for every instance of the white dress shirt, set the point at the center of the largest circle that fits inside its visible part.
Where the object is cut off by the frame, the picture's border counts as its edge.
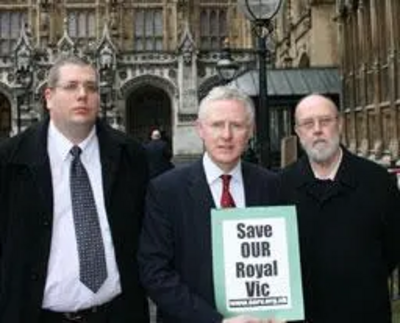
(236, 187)
(63, 291)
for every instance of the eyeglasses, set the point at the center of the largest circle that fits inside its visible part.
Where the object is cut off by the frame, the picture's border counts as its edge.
(89, 87)
(323, 122)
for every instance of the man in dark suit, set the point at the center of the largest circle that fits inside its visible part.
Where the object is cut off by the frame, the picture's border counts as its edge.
(68, 168)
(158, 154)
(175, 255)
(349, 221)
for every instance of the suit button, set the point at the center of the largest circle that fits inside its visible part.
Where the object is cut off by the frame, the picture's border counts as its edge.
(46, 223)
(34, 276)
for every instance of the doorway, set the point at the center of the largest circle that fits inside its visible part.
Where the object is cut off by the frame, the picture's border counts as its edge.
(148, 108)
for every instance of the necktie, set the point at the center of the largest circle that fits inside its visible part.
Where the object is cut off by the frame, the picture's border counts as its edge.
(92, 262)
(226, 197)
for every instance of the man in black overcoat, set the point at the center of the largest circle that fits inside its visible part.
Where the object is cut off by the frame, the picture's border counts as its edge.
(349, 221)
(158, 154)
(41, 263)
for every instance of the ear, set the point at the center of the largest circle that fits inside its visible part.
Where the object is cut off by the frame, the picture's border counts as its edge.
(296, 131)
(199, 128)
(47, 95)
(340, 123)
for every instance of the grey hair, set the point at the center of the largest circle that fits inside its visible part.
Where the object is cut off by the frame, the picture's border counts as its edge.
(226, 93)
(54, 72)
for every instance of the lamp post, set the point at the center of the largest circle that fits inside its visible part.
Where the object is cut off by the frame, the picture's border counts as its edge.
(24, 79)
(260, 13)
(106, 81)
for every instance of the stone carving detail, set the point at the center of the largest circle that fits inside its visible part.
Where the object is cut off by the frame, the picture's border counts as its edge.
(187, 117)
(187, 45)
(23, 51)
(66, 45)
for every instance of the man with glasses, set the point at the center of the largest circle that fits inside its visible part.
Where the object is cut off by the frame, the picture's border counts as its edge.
(349, 221)
(71, 197)
(175, 253)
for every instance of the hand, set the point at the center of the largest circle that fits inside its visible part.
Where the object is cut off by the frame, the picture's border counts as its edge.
(244, 319)
(249, 319)
(273, 321)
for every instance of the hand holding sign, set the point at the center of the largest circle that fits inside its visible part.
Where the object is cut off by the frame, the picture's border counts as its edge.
(256, 264)
(249, 319)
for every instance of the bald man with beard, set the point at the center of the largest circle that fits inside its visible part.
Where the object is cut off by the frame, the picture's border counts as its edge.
(349, 221)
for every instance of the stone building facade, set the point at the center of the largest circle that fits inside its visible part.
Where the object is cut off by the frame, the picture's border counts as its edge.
(369, 35)
(306, 34)
(362, 38)
(155, 58)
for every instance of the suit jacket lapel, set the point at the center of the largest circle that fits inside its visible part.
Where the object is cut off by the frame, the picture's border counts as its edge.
(199, 207)
(200, 191)
(200, 204)
(251, 190)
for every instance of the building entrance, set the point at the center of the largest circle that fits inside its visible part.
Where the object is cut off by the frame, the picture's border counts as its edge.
(148, 108)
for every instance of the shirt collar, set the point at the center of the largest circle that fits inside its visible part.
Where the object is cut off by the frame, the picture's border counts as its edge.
(213, 172)
(64, 145)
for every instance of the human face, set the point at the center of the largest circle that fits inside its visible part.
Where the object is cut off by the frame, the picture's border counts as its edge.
(74, 101)
(225, 130)
(318, 127)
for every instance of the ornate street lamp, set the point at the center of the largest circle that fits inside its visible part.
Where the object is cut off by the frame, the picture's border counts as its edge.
(106, 69)
(260, 13)
(226, 67)
(24, 79)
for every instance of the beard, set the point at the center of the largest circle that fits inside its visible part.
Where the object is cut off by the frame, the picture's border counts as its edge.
(322, 150)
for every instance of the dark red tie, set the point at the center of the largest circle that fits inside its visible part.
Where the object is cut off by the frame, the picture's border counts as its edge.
(226, 197)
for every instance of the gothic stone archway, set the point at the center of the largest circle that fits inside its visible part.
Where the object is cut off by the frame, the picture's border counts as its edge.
(147, 108)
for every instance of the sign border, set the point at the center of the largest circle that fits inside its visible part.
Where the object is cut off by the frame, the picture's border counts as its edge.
(288, 213)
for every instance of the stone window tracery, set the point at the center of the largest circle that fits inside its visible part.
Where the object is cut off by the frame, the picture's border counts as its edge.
(10, 26)
(82, 24)
(148, 26)
(213, 28)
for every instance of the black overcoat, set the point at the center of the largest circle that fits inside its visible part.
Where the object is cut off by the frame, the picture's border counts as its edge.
(349, 239)
(26, 218)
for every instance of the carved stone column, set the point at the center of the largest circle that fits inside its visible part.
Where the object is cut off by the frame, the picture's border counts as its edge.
(187, 74)
(375, 124)
(363, 145)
